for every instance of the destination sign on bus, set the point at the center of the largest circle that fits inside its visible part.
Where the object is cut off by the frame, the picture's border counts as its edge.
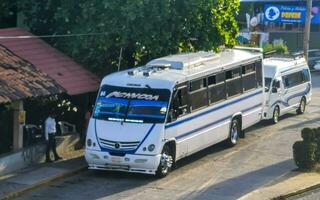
(129, 95)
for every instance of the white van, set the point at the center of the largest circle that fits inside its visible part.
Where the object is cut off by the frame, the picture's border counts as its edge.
(287, 86)
(147, 118)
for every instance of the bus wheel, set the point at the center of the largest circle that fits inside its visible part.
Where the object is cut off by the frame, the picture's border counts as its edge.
(166, 161)
(234, 132)
(276, 115)
(302, 106)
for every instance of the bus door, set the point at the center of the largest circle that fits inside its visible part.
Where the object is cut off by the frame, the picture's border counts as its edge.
(178, 108)
(275, 93)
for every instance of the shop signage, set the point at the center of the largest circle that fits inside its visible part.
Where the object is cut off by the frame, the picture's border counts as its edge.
(289, 13)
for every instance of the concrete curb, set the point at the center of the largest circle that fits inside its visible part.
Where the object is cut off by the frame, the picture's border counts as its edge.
(24, 190)
(301, 191)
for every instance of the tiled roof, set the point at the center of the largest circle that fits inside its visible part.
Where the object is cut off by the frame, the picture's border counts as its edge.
(19, 79)
(70, 75)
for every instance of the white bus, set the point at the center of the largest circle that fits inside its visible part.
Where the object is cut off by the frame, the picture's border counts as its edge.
(288, 86)
(147, 118)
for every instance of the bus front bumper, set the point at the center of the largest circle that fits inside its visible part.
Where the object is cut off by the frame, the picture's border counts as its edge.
(100, 160)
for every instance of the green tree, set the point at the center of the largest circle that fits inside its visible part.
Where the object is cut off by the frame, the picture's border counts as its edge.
(143, 29)
(8, 13)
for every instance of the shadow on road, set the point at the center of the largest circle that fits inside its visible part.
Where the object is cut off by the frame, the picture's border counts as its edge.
(236, 187)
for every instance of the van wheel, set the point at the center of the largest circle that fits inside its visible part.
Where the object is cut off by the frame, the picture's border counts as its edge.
(234, 133)
(166, 161)
(302, 106)
(276, 115)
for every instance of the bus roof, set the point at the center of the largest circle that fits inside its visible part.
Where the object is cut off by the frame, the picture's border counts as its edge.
(170, 70)
(274, 65)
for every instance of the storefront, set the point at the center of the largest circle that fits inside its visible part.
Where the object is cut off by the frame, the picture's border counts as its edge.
(268, 20)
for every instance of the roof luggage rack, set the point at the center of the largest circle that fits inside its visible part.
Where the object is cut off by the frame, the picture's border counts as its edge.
(274, 54)
(252, 49)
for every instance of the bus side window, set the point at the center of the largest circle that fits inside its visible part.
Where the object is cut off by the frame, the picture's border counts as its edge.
(234, 82)
(249, 80)
(179, 105)
(259, 73)
(285, 81)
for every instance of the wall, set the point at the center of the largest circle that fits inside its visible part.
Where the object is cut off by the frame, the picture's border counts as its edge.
(11, 162)
(295, 40)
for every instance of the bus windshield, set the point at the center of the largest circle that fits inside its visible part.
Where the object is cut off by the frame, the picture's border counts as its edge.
(137, 105)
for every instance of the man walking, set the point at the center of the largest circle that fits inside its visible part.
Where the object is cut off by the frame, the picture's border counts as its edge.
(50, 133)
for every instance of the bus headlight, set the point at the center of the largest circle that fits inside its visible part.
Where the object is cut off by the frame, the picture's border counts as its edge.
(151, 147)
(89, 142)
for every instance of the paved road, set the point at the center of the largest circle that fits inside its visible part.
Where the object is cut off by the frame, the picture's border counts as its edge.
(215, 173)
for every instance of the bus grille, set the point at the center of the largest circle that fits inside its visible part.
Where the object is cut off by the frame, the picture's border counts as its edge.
(119, 145)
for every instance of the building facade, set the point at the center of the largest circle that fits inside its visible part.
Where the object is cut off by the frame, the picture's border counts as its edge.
(268, 21)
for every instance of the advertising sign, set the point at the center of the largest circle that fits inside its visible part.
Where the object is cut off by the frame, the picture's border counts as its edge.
(289, 13)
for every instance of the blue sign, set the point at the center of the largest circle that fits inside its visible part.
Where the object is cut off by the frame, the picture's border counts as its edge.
(289, 14)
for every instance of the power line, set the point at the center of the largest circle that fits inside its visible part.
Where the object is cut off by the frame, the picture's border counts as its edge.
(50, 36)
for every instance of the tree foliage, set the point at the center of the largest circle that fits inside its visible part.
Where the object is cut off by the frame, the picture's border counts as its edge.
(143, 29)
(8, 13)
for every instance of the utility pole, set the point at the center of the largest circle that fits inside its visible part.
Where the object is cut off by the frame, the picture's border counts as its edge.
(307, 29)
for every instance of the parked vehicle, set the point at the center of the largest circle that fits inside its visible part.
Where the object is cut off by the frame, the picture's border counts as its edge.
(147, 118)
(32, 134)
(287, 86)
(317, 66)
(313, 57)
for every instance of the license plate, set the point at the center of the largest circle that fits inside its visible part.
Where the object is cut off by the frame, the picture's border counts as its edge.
(116, 160)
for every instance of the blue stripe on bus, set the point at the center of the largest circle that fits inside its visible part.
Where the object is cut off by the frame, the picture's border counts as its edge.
(229, 118)
(211, 110)
(150, 130)
(301, 94)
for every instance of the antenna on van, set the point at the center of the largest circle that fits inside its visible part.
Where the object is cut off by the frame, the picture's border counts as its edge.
(120, 57)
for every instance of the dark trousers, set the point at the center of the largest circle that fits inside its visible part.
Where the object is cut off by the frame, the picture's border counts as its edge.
(51, 145)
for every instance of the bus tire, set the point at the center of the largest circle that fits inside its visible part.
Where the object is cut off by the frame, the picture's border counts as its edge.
(166, 162)
(276, 115)
(234, 132)
(302, 106)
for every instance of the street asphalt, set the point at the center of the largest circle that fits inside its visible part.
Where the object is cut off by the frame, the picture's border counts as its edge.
(214, 173)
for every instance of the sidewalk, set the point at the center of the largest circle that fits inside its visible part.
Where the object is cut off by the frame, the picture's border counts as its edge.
(14, 185)
(288, 185)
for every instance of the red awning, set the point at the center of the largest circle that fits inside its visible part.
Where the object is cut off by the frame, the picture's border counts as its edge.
(70, 75)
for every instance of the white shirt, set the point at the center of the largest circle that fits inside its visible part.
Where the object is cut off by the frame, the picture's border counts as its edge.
(50, 127)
